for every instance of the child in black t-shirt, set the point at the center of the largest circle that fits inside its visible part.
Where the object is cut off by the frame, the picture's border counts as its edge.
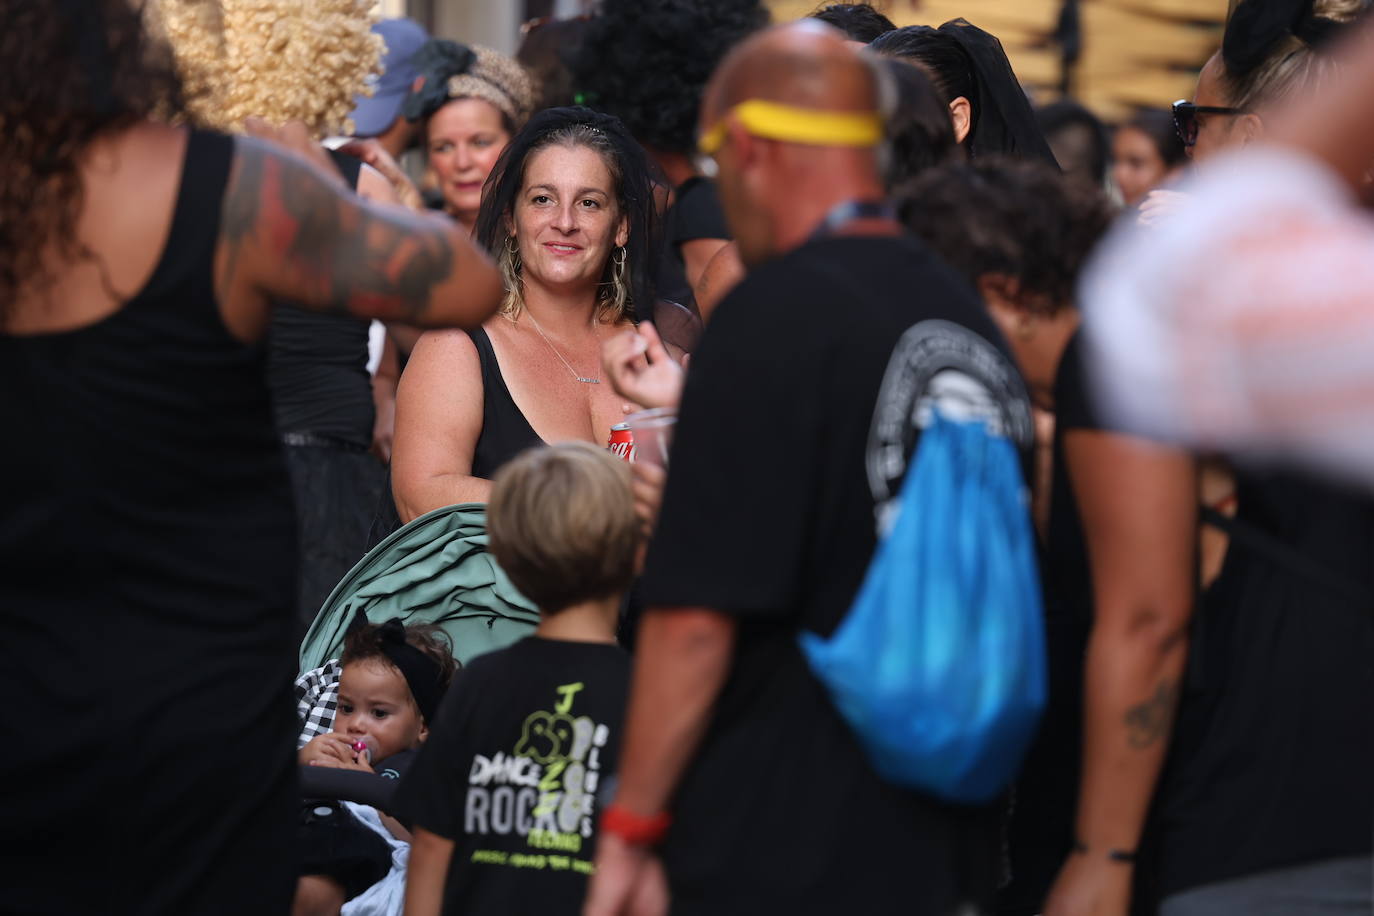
(503, 794)
(392, 679)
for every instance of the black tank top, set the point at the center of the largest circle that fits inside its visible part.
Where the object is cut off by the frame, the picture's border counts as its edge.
(147, 569)
(1272, 753)
(505, 431)
(317, 364)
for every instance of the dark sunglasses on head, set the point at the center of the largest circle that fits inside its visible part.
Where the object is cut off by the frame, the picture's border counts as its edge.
(1185, 118)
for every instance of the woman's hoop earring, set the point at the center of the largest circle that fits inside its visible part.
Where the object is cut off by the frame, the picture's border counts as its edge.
(513, 252)
(620, 291)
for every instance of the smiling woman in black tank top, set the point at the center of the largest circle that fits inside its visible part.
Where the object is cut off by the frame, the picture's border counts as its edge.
(569, 216)
(146, 532)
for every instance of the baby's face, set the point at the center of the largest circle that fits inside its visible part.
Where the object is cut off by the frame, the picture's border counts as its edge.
(375, 705)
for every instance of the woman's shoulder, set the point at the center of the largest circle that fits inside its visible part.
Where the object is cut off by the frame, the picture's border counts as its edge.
(448, 352)
(144, 136)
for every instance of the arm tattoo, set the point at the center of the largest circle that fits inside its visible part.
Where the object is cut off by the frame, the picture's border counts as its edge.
(344, 254)
(1150, 721)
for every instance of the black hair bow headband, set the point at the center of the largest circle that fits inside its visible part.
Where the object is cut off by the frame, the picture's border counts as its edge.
(421, 672)
(438, 61)
(1257, 25)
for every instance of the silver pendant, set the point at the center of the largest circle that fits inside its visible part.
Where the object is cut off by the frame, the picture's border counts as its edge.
(589, 381)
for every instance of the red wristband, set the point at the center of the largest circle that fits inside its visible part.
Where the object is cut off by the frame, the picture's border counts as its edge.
(635, 829)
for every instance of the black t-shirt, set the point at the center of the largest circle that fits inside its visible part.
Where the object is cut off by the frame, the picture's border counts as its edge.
(696, 214)
(1041, 827)
(1273, 752)
(1068, 577)
(799, 418)
(511, 770)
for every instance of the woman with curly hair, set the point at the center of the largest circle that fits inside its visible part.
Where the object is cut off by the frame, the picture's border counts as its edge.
(472, 101)
(147, 545)
(568, 214)
(1020, 232)
(647, 62)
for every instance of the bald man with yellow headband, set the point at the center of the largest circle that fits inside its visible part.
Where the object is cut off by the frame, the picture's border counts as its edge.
(741, 789)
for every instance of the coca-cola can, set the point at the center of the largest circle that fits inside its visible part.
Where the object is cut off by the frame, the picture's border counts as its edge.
(622, 442)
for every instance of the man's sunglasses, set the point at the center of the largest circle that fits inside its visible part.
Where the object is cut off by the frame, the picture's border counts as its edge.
(1185, 118)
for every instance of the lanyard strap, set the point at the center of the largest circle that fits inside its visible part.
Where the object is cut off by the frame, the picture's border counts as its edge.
(847, 211)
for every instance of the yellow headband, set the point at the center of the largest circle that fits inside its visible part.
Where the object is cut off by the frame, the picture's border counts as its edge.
(811, 126)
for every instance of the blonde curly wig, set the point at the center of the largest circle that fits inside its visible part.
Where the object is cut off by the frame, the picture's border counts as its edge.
(280, 60)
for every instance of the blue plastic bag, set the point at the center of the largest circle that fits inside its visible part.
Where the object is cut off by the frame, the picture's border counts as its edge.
(939, 665)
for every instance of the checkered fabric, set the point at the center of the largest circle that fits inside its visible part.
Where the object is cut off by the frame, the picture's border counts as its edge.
(317, 696)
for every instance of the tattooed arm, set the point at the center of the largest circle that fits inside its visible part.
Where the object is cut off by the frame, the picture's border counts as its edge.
(290, 231)
(1138, 503)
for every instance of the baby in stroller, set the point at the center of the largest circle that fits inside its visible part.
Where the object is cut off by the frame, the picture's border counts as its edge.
(390, 680)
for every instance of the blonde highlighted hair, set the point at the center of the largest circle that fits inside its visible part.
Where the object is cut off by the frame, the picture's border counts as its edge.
(1291, 65)
(280, 60)
(561, 522)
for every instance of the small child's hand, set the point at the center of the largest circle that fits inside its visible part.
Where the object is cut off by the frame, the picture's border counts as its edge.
(354, 760)
(331, 750)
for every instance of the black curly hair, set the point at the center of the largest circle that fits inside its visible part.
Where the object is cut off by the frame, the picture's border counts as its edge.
(1019, 218)
(858, 21)
(647, 62)
(547, 52)
(72, 71)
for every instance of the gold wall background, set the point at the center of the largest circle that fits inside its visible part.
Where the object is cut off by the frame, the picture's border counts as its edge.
(1135, 53)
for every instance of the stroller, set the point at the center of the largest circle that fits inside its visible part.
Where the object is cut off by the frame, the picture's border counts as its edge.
(434, 570)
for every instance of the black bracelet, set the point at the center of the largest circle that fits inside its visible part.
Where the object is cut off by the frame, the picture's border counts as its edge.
(1116, 855)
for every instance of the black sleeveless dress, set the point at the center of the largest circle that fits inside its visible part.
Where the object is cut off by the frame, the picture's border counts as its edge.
(147, 567)
(505, 431)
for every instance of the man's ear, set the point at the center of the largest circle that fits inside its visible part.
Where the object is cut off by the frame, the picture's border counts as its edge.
(961, 114)
(742, 144)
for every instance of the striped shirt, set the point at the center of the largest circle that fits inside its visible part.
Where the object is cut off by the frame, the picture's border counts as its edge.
(1245, 321)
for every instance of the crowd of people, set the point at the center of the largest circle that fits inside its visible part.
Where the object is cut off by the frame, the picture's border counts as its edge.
(316, 325)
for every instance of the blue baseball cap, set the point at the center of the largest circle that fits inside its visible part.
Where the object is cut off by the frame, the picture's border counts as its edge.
(372, 115)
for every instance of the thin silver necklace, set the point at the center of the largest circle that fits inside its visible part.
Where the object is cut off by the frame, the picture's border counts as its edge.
(561, 358)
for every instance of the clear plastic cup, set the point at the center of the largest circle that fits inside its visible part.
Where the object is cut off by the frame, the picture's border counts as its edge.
(653, 432)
